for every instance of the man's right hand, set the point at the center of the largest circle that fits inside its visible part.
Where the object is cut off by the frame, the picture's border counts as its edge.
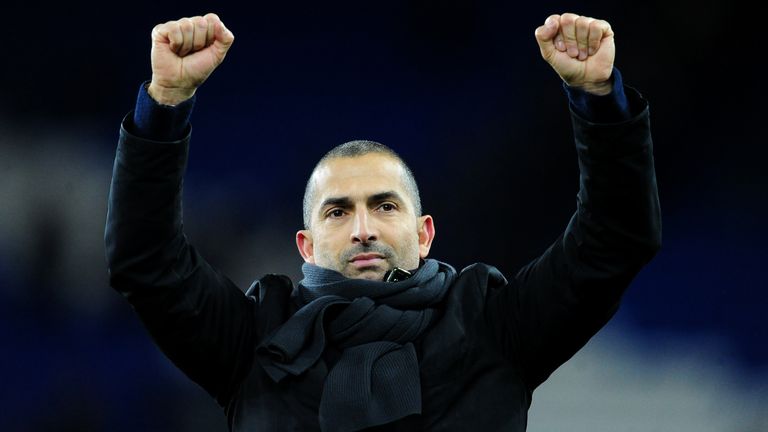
(184, 53)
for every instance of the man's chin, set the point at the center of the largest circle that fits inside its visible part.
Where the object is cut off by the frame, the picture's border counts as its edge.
(369, 273)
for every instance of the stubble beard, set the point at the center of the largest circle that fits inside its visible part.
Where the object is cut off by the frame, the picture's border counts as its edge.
(391, 260)
(373, 272)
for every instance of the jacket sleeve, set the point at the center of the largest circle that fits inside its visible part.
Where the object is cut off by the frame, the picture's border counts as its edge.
(198, 317)
(557, 302)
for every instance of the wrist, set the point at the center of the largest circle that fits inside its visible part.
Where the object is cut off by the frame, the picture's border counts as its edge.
(601, 108)
(600, 88)
(170, 96)
(158, 122)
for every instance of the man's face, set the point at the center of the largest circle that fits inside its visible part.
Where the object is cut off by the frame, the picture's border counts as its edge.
(363, 222)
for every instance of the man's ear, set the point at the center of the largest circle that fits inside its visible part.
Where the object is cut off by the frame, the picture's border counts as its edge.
(304, 243)
(426, 235)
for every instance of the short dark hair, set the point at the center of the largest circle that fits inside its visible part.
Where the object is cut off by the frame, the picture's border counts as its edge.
(354, 149)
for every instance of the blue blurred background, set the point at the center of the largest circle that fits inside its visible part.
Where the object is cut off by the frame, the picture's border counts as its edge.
(459, 89)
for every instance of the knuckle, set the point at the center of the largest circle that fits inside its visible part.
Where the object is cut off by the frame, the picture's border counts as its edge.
(597, 25)
(582, 23)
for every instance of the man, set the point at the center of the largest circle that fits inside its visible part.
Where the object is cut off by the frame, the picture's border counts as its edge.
(377, 336)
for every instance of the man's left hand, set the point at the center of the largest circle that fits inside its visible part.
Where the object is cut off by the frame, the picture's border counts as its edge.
(580, 49)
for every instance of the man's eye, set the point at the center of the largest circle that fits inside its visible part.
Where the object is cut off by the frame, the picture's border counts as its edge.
(388, 207)
(336, 213)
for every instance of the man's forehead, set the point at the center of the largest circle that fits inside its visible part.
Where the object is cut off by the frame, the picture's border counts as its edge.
(359, 175)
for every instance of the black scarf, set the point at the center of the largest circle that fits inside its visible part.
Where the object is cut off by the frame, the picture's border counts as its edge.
(376, 380)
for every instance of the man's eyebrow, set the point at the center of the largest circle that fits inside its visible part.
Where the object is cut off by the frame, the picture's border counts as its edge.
(346, 202)
(343, 202)
(384, 196)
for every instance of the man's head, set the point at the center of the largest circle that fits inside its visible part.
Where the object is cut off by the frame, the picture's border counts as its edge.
(362, 213)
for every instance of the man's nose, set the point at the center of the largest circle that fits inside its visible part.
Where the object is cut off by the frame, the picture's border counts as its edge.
(364, 229)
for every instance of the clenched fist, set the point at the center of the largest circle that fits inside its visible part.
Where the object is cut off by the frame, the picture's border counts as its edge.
(580, 49)
(184, 53)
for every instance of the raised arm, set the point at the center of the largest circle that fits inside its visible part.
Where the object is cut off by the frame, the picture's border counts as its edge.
(197, 316)
(561, 299)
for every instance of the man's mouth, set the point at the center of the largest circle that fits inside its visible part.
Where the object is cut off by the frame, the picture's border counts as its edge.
(366, 260)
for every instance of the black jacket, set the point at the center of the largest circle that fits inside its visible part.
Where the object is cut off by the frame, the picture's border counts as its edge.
(496, 341)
